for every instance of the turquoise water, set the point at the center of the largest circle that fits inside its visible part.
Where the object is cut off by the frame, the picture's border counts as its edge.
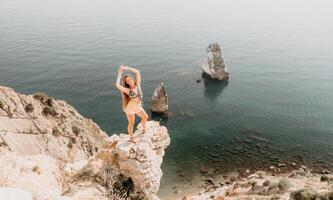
(277, 105)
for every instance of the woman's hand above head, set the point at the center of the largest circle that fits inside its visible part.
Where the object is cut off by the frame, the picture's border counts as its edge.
(118, 85)
(121, 68)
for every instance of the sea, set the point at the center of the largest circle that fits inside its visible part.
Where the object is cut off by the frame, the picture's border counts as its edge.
(277, 106)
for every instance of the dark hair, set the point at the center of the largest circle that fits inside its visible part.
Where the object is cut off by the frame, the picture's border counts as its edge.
(125, 96)
(124, 80)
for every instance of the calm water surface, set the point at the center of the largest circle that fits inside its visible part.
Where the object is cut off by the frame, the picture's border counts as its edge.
(277, 105)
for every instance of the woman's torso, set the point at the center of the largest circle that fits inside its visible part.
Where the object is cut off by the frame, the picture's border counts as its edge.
(134, 95)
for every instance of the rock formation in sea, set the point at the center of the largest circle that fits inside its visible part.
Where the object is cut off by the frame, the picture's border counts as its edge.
(214, 65)
(48, 151)
(159, 102)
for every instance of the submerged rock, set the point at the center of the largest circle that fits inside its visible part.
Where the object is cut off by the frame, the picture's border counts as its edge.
(214, 65)
(64, 156)
(159, 102)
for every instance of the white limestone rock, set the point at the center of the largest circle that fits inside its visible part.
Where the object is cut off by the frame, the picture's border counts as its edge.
(7, 193)
(38, 174)
(63, 133)
(51, 152)
(140, 161)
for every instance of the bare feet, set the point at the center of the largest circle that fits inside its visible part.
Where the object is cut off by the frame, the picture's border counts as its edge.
(143, 128)
(131, 137)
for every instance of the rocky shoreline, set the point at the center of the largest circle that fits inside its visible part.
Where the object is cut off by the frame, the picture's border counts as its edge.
(212, 183)
(298, 184)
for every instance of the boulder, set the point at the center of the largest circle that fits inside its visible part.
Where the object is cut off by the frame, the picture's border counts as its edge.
(214, 65)
(159, 102)
(136, 163)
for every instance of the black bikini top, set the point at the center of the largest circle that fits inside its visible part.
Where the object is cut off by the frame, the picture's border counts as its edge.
(132, 94)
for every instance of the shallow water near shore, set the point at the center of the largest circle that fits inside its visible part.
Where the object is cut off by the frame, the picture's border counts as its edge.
(277, 106)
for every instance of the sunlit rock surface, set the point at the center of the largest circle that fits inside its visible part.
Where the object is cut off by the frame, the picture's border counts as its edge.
(50, 152)
(14, 194)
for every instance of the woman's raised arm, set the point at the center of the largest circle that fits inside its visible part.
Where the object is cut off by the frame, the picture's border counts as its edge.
(120, 87)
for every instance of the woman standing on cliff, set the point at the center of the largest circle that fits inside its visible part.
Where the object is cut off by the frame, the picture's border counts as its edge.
(131, 97)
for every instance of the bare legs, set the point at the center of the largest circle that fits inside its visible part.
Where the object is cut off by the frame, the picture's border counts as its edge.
(130, 126)
(144, 117)
(131, 120)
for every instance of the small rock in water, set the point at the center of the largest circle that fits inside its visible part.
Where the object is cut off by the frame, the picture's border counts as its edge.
(214, 65)
(214, 155)
(198, 80)
(217, 145)
(182, 174)
(271, 167)
(303, 167)
(189, 113)
(282, 165)
(159, 102)
(277, 170)
(204, 170)
(186, 113)
(299, 157)
(247, 171)
(325, 171)
(209, 181)
(261, 174)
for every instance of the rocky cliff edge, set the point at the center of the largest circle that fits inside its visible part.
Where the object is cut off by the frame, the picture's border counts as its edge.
(48, 151)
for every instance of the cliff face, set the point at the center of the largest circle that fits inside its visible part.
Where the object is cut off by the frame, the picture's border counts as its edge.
(52, 152)
(38, 124)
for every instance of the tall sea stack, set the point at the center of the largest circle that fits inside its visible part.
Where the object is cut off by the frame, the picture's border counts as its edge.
(214, 65)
